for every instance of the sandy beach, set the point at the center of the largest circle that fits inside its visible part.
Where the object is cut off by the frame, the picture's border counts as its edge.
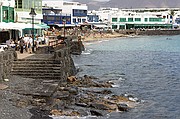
(99, 36)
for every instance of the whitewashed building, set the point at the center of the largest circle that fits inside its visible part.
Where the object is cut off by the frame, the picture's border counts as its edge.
(76, 11)
(150, 18)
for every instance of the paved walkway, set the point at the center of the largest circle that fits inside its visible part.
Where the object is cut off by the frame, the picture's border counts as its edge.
(26, 55)
(23, 55)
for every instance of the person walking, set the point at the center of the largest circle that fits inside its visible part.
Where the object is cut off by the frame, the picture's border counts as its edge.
(21, 45)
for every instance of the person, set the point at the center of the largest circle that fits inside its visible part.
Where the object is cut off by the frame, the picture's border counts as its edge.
(21, 44)
(30, 45)
(46, 40)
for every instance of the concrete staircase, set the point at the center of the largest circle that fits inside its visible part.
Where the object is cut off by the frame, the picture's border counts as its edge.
(38, 69)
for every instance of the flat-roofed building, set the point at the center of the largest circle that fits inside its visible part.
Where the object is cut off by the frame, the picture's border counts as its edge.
(56, 12)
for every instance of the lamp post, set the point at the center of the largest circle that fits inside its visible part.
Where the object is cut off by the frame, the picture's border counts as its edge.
(32, 14)
(64, 22)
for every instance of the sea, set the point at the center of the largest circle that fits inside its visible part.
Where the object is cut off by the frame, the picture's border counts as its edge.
(145, 67)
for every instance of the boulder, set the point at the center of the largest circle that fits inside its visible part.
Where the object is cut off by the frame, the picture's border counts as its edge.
(103, 106)
(96, 113)
(71, 79)
(123, 107)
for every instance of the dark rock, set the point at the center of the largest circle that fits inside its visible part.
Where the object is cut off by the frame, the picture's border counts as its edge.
(61, 94)
(39, 114)
(101, 106)
(123, 107)
(83, 112)
(73, 90)
(103, 92)
(96, 113)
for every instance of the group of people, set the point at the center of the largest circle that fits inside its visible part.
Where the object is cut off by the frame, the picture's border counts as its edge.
(26, 43)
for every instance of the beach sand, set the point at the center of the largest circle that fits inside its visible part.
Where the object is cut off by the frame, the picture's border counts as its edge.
(101, 36)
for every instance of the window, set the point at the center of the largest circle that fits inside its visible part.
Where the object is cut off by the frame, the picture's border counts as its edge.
(114, 26)
(50, 18)
(121, 26)
(146, 19)
(79, 20)
(83, 20)
(19, 3)
(137, 19)
(114, 19)
(122, 20)
(156, 19)
(130, 19)
(74, 20)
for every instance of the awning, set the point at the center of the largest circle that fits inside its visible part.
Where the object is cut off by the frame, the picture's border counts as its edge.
(43, 26)
(18, 26)
(101, 26)
(66, 25)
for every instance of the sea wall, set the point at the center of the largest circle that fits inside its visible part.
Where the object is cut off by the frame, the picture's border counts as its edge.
(6, 59)
(64, 56)
(158, 32)
(150, 32)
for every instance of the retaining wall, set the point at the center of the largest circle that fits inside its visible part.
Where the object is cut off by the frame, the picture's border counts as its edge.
(6, 59)
(64, 56)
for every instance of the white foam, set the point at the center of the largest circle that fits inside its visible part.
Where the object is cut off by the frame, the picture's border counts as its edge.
(70, 117)
(86, 53)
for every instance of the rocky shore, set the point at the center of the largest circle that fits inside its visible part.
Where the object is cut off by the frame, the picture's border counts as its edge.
(79, 96)
(29, 98)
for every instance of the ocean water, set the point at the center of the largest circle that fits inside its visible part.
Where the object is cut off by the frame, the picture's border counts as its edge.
(147, 67)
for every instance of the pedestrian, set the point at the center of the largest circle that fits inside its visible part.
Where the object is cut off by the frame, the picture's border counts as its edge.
(21, 44)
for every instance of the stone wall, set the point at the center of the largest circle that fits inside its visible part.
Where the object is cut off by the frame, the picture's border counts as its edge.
(159, 32)
(6, 59)
(64, 56)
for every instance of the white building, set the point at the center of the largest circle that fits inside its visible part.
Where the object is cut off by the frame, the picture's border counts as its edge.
(138, 18)
(76, 10)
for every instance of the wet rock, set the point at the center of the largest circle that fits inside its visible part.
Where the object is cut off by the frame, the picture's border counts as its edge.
(39, 114)
(103, 106)
(83, 112)
(61, 94)
(90, 77)
(56, 112)
(123, 107)
(74, 113)
(106, 92)
(64, 113)
(117, 98)
(73, 90)
(82, 104)
(96, 113)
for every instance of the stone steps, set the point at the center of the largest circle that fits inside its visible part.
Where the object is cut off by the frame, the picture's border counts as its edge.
(37, 69)
(36, 65)
(45, 77)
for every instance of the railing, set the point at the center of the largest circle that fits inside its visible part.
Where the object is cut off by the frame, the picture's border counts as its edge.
(55, 43)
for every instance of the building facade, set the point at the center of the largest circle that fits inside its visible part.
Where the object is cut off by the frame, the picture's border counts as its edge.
(23, 8)
(151, 18)
(60, 12)
(7, 11)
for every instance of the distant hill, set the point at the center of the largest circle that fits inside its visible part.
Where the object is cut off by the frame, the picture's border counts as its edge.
(94, 4)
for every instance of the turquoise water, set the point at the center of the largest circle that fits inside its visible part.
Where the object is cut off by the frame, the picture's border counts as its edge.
(151, 72)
